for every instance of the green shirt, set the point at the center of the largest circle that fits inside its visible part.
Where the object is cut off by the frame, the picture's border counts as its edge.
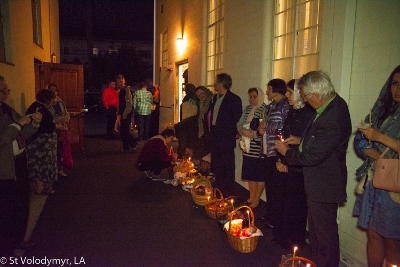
(142, 102)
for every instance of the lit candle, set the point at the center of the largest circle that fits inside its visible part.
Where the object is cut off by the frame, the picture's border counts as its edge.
(190, 159)
(208, 199)
(233, 207)
(294, 255)
(370, 117)
(248, 216)
(308, 265)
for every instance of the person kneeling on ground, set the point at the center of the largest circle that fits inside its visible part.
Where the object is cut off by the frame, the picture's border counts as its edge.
(155, 157)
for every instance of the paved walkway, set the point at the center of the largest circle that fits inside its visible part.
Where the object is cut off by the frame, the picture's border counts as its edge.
(108, 214)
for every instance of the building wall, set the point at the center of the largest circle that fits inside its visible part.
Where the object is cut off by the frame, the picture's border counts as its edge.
(375, 54)
(20, 73)
(76, 48)
(358, 48)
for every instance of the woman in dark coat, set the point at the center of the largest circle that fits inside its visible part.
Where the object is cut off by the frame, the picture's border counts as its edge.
(42, 147)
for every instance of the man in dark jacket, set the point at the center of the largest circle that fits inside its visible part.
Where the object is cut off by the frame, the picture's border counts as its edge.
(226, 111)
(14, 183)
(125, 113)
(322, 153)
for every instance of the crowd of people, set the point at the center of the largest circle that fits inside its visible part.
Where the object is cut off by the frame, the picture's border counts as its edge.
(294, 148)
(128, 108)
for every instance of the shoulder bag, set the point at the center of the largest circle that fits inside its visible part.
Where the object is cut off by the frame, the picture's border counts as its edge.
(387, 173)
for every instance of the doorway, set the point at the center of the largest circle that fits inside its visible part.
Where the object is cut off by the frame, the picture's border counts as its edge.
(183, 78)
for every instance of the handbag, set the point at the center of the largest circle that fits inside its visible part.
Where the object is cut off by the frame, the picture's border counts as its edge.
(387, 173)
(67, 160)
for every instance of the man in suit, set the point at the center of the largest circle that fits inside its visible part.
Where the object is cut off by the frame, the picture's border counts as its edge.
(226, 111)
(322, 153)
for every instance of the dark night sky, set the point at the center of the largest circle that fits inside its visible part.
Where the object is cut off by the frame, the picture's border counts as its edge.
(112, 19)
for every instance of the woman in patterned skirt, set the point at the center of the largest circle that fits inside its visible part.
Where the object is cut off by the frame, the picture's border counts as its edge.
(42, 147)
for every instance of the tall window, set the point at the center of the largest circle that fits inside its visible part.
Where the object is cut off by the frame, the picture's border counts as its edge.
(164, 49)
(296, 37)
(37, 22)
(5, 37)
(215, 39)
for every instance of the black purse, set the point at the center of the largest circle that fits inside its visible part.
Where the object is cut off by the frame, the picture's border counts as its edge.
(255, 122)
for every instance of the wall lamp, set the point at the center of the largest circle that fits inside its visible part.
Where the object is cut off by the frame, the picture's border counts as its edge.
(181, 44)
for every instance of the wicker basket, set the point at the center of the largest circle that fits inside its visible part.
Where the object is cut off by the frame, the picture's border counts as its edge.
(201, 199)
(216, 208)
(245, 245)
(291, 261)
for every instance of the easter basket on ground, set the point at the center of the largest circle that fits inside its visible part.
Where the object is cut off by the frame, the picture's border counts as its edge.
(218, 207)
(201, 191)
(243, 238)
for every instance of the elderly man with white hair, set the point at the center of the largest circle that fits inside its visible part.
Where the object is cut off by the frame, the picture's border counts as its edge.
(322, 153)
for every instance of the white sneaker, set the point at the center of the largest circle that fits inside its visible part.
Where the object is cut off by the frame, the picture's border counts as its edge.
(149, 174)
(168, 181)
(174, 182)
(157, 178)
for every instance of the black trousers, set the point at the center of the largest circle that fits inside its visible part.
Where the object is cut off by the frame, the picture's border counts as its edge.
(156, 165)
(14, 208)
(223, 166)
(127, 138)
(293, 221)
(111, 114)
(274, 189)
(324, 236)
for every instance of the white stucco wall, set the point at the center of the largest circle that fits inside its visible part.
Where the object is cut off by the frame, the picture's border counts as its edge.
(20, 73)
(376, 52)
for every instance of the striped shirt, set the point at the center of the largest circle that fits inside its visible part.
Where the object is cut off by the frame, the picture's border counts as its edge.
(256, 142)
(275, 115)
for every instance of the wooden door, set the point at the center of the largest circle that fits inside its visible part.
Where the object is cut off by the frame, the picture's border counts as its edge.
(69, 81)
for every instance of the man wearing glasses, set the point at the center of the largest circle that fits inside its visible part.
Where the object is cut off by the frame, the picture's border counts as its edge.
(322, 153)
(14, 183)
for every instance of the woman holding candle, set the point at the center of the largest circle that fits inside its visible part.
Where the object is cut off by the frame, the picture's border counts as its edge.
(253, 160)
(379, 210)
(275, 115)
(292, 220)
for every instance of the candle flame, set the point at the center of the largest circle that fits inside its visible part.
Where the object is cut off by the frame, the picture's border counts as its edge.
(308, 265)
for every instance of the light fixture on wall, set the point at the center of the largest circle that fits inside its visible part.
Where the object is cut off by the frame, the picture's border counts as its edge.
(53, 58)
(180, 44)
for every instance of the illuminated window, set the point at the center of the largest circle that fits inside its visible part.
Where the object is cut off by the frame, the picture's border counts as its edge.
(215, 39)
(164, 49)
(296, 37)
(37, 22)
(5, 37)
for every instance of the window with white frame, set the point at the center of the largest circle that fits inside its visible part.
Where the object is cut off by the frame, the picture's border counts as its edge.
(164, 49)
(37, 22)
(215, 39)
(296, 37)
(5, 37)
